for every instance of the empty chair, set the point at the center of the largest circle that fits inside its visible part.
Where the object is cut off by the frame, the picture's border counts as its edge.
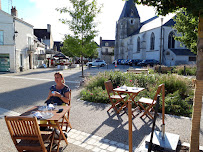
(150, 102)
(117, 98)
(26, 134)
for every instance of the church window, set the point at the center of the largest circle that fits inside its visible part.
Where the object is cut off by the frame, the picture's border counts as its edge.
(1, 37)
(138, 44)
(131, 21)
(152, 41)
(171, 40)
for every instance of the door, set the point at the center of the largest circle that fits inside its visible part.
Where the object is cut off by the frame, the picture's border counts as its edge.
(4, 63)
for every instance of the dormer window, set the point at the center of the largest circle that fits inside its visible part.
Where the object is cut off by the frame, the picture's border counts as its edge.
(106, 44)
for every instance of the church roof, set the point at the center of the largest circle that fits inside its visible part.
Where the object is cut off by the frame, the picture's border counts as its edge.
(129, 10)
(155, 22)
(186, 52)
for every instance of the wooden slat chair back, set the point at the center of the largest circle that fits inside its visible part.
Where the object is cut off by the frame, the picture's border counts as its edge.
(150, 102)
(109, 88)
(25, 133)
(67, 122)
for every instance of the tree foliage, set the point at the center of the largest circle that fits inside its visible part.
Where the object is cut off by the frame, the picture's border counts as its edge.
(187, 26)
(164, 7)
(82, 25)
(72, 47)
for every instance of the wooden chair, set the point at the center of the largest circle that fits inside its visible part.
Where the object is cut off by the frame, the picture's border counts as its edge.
(66, 122)
(26, 134)
(109, 88)
(150, 102)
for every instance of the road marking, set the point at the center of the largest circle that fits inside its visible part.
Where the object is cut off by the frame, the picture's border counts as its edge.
(85, 140)
(17, 77)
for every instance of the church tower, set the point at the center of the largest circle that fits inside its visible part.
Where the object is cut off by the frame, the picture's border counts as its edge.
(128, 23)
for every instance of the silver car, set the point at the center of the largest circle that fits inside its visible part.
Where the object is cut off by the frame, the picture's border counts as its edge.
(96, 63)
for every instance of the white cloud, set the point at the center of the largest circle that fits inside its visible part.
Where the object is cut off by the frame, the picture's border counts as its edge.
(46, 14)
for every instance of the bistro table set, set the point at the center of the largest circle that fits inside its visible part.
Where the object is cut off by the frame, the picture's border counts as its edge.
(120, 96)
(25, 129)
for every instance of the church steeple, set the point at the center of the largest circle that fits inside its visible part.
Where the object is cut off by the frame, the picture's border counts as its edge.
(127, 24)
(129, 10)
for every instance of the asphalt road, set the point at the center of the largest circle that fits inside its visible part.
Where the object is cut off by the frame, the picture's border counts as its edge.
(21, 91)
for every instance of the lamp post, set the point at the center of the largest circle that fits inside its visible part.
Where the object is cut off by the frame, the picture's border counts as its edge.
(161, 53)
(14, 38)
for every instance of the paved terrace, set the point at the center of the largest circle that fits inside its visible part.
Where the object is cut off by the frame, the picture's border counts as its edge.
(93, 128)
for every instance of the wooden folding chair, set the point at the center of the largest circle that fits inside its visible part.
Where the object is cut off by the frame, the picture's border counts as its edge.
(66, 122)
(118, 98)
(26, 134)
(150, 102)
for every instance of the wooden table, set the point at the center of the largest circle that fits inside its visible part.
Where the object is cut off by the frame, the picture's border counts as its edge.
(56, 117)
(132, 92)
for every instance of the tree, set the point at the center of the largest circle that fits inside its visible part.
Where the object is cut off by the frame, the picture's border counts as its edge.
(194, 7)
(187, 26)
(83, 27)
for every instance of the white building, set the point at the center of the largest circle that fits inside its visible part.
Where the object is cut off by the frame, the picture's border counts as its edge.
(16, 42)
(107, 50)
(151, 39)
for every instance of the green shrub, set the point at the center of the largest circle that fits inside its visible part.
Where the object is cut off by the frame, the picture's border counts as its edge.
(97, 95)
(189, 70)
(178, 90)
(175, 105)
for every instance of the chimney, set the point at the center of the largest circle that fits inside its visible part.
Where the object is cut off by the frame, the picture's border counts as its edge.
(100, 41)
(49, 28)
(14, 12)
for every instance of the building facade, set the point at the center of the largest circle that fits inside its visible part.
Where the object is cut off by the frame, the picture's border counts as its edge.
(151, 39)
(16, 43)
(107, 50)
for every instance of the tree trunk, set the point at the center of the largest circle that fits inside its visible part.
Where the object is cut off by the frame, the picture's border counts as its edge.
(197, 103)
(82, 67)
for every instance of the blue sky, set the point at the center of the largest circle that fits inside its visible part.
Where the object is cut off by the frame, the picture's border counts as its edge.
(39, 13)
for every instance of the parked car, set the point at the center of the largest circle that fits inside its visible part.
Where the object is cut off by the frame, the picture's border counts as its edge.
(150, 62)
(96, 63)
(123, 61)
(114, 62)
(119, 61)
(127, 61)
(134, 61)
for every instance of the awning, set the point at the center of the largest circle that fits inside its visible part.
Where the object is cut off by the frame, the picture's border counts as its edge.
(60, 56)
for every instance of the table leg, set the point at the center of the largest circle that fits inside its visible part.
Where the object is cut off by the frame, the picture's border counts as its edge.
(130, 125)
(61, 132)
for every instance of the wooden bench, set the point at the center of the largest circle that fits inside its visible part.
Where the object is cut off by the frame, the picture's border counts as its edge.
(138, 71)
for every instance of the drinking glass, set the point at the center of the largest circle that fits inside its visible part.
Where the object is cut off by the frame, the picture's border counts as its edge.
(55, 106)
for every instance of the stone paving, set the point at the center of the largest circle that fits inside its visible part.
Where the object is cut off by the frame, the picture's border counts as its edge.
(94, 128)
(85, 140)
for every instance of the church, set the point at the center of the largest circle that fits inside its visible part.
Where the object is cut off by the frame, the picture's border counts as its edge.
(151, 39)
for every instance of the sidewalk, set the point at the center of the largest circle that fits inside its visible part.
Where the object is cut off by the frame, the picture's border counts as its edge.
(93, 128)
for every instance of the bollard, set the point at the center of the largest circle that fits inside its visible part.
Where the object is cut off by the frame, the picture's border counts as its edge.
(116, 64)
(184, 70)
